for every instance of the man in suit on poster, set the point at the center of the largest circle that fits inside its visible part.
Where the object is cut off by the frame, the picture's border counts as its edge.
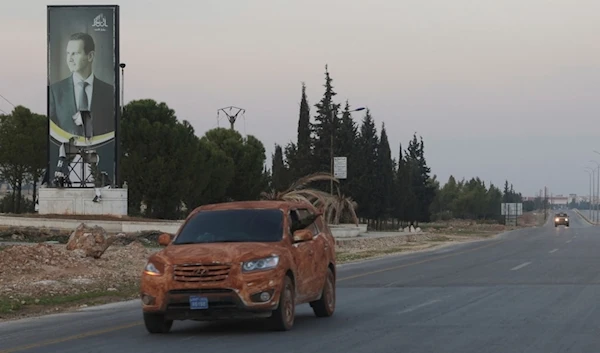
(81, 96)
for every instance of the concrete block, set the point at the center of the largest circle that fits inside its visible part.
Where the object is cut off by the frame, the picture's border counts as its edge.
(79, 201)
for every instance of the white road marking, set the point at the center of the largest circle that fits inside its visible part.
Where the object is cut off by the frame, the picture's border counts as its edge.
(568, 241)
(419, 306)
(520, 266)
(553, 251)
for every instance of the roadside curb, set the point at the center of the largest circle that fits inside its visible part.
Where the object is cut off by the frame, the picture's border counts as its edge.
(584, 217)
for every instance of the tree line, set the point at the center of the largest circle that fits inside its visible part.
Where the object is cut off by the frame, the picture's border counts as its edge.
(170, 170)
(389, 191)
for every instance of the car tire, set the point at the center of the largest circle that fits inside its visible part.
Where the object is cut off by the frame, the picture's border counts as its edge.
(283, 317)
(156, 323)
(325, 307)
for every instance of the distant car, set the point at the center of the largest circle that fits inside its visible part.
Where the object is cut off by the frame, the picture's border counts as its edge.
(241, 260)
(561, 219)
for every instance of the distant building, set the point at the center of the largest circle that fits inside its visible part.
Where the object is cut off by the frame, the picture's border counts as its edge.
(559, 200)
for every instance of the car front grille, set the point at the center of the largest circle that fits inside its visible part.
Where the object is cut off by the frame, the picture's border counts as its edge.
(201, 273)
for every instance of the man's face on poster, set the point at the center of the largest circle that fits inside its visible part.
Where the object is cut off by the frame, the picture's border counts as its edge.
(78, 60)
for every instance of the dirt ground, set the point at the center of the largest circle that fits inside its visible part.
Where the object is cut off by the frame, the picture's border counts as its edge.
(39, 277)
(89, 217)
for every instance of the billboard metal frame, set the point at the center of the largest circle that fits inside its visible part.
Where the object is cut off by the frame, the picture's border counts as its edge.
(117, 85)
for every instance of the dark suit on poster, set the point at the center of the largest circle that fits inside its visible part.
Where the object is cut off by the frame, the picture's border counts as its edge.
(63, 106)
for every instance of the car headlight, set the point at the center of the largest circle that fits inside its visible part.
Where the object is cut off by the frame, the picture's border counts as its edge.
(153, 269)
(260, 264)
(566, 219)
(556, 220)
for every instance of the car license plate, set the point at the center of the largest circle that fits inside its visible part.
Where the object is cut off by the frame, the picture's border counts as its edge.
(198, 303)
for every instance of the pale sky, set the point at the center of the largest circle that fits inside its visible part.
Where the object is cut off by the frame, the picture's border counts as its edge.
(500, 89)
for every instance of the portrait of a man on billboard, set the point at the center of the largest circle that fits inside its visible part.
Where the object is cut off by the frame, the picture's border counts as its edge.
(82, 97)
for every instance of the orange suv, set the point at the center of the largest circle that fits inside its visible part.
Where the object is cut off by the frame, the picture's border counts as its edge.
(241, 260)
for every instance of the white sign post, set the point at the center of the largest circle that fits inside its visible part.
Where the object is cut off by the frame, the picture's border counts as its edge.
(340, 167)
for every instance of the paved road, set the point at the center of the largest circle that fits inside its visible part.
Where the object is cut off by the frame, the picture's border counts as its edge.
(533, 290)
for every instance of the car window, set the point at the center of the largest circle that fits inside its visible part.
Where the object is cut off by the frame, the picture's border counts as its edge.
(241, 225)
(300, 219)
(304, 214)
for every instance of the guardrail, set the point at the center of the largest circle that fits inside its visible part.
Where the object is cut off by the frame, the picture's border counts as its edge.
(582, 215)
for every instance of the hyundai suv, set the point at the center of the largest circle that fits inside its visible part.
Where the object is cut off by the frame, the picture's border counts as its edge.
(241, 260)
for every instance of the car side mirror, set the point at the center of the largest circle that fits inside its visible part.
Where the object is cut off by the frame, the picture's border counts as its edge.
(165, 239)
(302, 235)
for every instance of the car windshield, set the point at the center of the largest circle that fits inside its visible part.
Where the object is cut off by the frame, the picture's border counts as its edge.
(241, 225)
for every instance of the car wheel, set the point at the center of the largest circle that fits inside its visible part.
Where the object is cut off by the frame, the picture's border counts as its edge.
(283, 317)
(156, 323)
(325, 306)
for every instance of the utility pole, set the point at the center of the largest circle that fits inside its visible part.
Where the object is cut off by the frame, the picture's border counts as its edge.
(545, 203)
(232, 117)
(597, 193)
(592, 174)
(597, 190)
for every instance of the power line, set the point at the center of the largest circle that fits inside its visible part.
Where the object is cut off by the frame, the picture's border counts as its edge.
(9, 102)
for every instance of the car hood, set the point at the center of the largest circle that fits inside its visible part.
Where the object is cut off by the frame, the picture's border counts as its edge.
(219, 252)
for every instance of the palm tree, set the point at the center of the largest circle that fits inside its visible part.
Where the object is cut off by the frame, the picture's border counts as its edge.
(332, 206)
(338, 206)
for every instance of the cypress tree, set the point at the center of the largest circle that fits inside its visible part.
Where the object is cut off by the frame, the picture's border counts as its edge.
(299, 155)
(279, 173)
(384, 178)
(324, 127)
(367, 157)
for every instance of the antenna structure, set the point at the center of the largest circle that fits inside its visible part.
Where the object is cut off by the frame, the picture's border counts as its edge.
(232, 114)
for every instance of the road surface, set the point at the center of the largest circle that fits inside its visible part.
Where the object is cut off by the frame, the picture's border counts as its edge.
(533, 290)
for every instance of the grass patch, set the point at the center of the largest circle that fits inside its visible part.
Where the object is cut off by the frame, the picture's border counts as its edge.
(19, 304)
(440, 238)
(472, 232)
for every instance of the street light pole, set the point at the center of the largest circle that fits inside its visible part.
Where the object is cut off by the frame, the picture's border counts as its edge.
(590, 199)
(597, 188)
(122, 65)
(597, 197)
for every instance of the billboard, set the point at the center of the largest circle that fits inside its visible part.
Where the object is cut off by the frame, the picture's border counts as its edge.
(83, 100)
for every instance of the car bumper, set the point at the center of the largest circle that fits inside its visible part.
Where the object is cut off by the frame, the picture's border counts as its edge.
(224, 300)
